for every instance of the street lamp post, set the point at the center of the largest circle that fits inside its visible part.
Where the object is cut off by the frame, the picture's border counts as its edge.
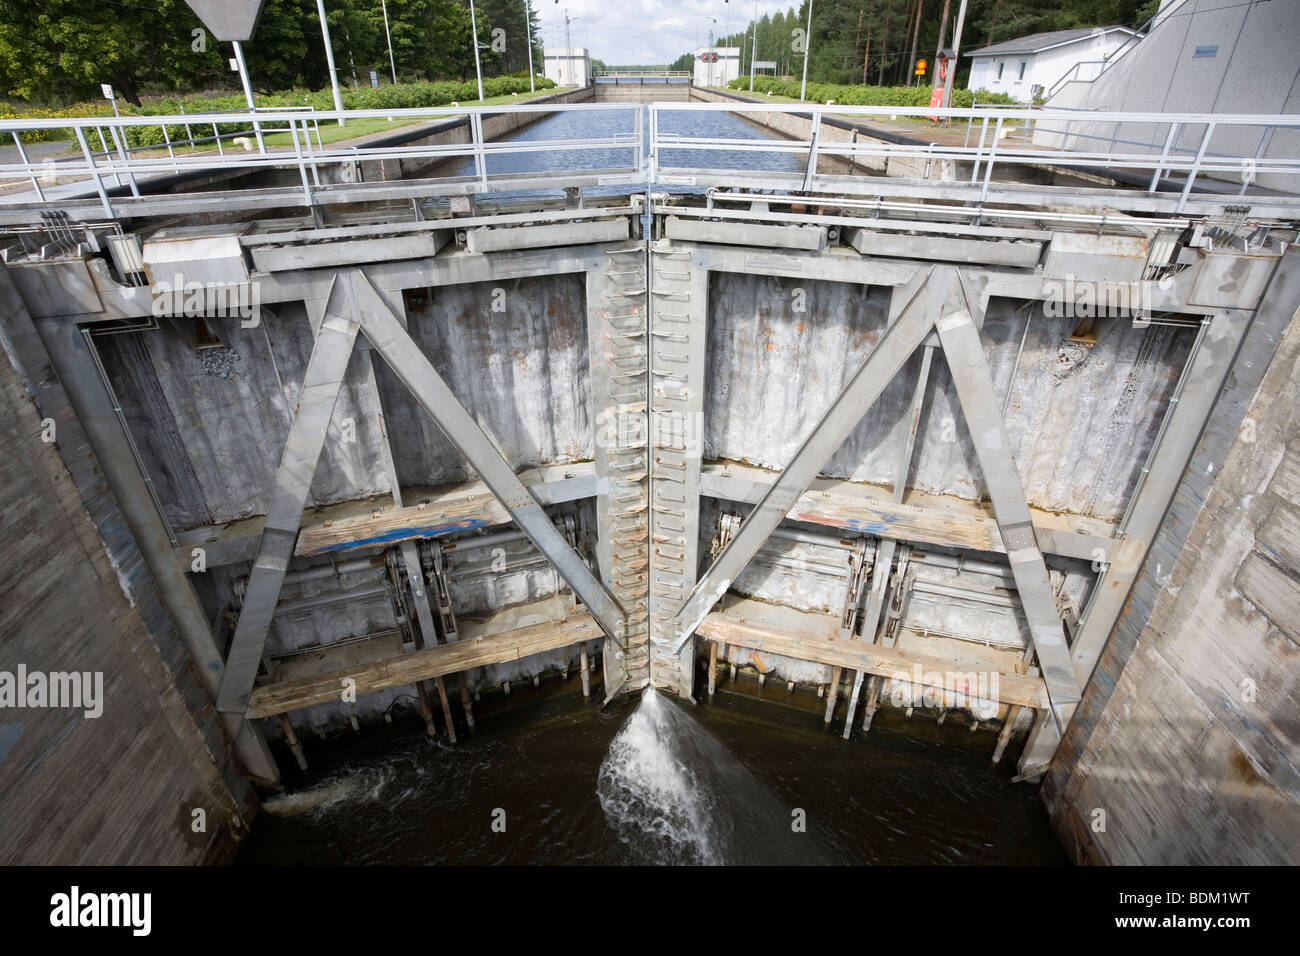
(528, 28)
(807, 48)
(956, 52)
(329, 60)
(392, 64)
(753, 50)
(478, 70)
(712, 50)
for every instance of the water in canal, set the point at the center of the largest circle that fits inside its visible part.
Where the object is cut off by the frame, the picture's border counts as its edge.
(657, 781)
(618, 119)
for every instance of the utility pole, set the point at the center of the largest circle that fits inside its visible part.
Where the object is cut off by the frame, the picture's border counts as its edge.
(938, 51)
(329, 60)
(528, 27)
(807, 48)
(392, 64)
(753, 51)
(956, 52)
(712, 51)
(478, 70)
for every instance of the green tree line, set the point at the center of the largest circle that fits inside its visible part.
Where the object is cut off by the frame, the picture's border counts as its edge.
(54, 52)
(878, 41)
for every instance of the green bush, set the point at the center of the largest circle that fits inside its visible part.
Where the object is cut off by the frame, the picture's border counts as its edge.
(404, 96)
(903, 96)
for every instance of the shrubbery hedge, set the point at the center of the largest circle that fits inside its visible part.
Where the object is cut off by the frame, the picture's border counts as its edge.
(866, 95)
(403, 96)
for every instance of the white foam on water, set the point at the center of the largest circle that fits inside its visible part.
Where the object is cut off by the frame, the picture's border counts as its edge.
(675, 794)
(654, 799)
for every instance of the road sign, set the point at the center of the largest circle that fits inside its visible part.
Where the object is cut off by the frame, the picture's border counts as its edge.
(374, 78)
(920, 67)
(106, 90)
(765, 64)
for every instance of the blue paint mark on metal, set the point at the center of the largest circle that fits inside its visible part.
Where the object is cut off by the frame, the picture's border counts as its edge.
(402, 534)
(9, 734)
(867, 527)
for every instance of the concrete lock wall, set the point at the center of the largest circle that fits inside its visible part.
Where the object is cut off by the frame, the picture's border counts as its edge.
(76, 598)
(1183, 751)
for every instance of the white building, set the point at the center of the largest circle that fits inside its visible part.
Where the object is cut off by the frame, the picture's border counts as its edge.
(716, 65)
(568, 66)
(1032, 65)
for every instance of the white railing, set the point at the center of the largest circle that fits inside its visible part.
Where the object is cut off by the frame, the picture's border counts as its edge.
(1187, 162)
(1218, 172)
(111, 167)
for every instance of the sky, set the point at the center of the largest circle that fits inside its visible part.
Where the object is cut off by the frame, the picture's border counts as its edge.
(646, 31)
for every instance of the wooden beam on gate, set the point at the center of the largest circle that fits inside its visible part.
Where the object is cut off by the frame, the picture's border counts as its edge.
(351, 525)
(1023, 690)
(426, 664)
(868, 510)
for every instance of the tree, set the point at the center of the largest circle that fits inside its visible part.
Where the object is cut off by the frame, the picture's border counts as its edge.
(62, 50)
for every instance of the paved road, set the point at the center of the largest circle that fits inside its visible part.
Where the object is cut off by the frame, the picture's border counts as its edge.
(36, 151)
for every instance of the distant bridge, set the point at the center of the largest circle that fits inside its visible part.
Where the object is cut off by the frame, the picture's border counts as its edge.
(642, 76)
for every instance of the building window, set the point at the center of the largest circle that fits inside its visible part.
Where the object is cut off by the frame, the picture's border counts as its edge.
(1021, 76)
(1000, 66)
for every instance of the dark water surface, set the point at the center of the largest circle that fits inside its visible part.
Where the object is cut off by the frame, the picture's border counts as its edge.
(668, 782)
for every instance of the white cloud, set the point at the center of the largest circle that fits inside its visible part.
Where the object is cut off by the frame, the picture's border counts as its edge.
(646, 31)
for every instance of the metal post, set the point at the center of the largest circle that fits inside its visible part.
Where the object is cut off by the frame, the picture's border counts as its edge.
(22, 154)
(956, 55)
(189, 133)
(478, 69)
(392, 64)
(248, 94)
(94, 171)
(973, 381)
(807, 49)
(528, 28)
(322, 382)
(753, 50)
(1196, 166)
(329, 60)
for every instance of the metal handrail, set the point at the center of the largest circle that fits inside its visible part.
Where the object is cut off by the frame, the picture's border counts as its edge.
(1160, 162)
(1066, 135)
(1139, 34)
(120, 166)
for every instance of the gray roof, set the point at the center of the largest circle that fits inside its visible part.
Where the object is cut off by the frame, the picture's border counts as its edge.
(1037, 42)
